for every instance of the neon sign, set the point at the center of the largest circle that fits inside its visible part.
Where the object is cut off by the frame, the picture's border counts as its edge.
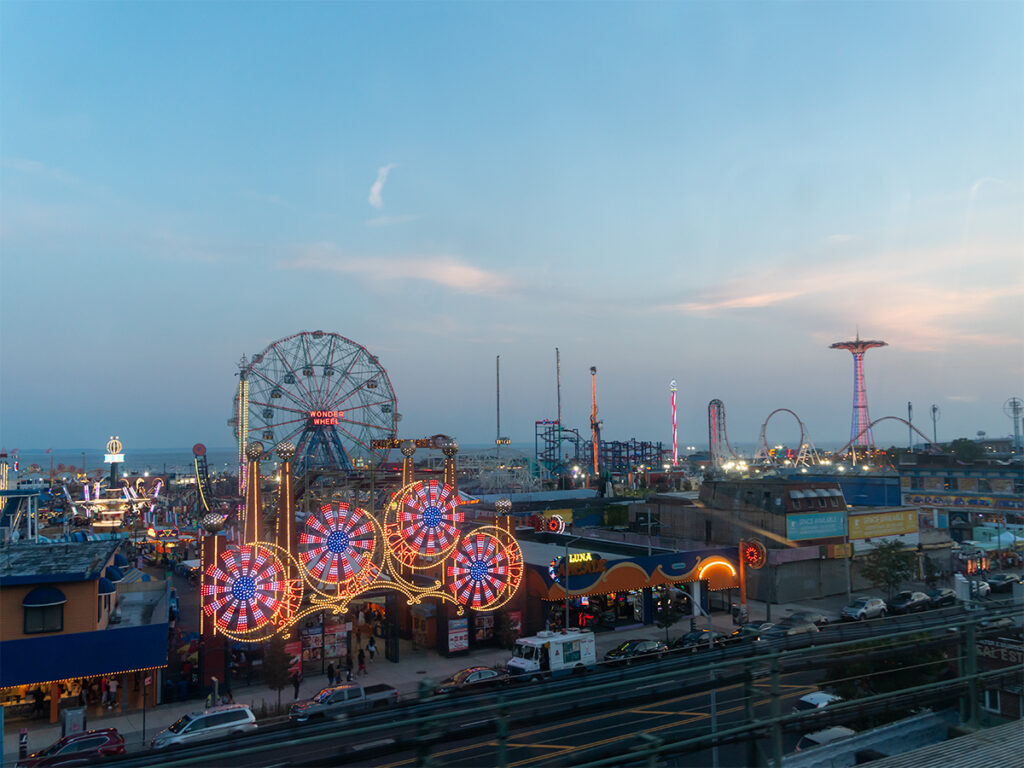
(326, 417)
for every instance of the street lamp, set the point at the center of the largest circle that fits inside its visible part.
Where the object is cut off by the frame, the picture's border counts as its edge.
(566, 585)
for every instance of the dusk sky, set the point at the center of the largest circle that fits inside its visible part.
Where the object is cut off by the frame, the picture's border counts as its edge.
(706, 192)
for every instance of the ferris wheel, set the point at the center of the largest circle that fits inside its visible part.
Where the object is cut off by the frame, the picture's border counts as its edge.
(326, 394)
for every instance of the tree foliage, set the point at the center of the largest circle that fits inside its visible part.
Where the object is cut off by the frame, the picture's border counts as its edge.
(889, 565)
(966, 449)
(275, 666)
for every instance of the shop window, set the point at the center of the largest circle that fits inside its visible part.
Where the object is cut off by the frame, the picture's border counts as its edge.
(984, 486)
(46, 618)
(951, 484)
(707, 531)
(990, 701)
(916, 484)
(571, 652)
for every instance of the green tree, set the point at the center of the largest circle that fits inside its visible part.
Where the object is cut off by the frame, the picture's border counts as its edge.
(888, 565)
(966, 449)
(668, 616)
(275, 666)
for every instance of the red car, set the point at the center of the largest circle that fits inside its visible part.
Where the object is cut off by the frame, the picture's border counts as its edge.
(77, 749)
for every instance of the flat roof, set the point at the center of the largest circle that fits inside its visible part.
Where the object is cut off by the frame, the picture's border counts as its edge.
(30, 563)
(1002, 746)
(542, 553)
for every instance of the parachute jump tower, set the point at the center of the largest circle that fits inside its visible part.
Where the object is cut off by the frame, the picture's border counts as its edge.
(860, 430)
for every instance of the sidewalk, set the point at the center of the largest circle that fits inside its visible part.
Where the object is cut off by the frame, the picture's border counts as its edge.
(415, 664)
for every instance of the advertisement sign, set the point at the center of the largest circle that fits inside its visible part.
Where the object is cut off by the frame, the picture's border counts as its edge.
(883, 524)
(458, 635)
(815, 525)
(334, 641)
(294, 650)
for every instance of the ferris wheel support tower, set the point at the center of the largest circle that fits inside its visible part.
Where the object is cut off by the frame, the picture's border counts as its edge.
(860, 429)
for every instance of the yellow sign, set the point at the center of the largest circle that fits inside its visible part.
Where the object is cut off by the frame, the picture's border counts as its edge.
(565, 514)
(883, 524)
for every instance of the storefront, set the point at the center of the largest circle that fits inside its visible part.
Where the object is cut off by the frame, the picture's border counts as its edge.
(607, 591)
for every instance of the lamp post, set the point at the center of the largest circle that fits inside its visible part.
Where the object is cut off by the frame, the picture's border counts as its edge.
(566, 585)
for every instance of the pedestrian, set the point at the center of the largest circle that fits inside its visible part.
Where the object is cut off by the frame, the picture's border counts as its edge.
(113, 693)
(296, 678)
(330, 674)
(37, 702)
(362, 662)
(105, 698)
(348, 668)
(371, 647)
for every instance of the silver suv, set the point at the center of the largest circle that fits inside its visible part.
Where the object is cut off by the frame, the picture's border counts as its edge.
(865, 608)
(213, 723)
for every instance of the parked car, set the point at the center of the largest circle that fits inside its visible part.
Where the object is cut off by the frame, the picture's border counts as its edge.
(635, 650)
(472, 680)
(910, 602)
(865, 608)
(752, 630)
(941, 596)
(1003, 582)
(815, 700)
(212, 723)
(77, 749)
(341, 700)
(826, 736)
(697, 640)
(809, 617)
(788, 629)
(984, 588)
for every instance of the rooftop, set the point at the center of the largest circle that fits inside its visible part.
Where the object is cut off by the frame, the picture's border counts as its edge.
(30, 563)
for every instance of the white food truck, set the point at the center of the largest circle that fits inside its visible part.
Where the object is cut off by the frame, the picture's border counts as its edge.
(552, 654)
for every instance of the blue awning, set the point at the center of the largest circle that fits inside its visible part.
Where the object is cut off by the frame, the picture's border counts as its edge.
(114, 573)
(41, 597)
(106, 587)
(121, 561)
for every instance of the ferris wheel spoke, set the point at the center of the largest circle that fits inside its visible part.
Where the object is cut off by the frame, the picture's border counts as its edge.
(332, 394)
(292, 395)
(276, 406)
(291, 370)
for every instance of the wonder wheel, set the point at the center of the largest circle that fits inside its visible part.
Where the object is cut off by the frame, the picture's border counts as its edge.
(246, 590)
(338, 546)
(325, 393)
(423, 521)
(485, 572)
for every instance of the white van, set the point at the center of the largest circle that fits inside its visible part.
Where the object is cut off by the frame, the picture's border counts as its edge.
(213, 723)
(826, 736)
(552, 654)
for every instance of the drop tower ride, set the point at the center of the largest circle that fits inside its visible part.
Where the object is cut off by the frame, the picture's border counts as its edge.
(860, 429)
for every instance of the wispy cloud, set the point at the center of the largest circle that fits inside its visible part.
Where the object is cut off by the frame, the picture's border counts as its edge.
(387, 221)
(36, 168)
(444, 270)
(927, 298)
(375, 198)
(840, 239)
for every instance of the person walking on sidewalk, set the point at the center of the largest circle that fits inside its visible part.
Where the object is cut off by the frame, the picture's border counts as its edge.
(113, 693)
(330, 675)
(362, 662)
(371, 647)
(296, 678)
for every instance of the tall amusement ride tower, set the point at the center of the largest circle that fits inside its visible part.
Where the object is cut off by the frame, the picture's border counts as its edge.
(860, 430)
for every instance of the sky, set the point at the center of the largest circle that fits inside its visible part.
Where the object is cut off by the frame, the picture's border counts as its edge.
(710, 193)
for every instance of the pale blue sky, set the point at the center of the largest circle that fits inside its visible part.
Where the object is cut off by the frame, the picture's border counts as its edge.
(711, 192)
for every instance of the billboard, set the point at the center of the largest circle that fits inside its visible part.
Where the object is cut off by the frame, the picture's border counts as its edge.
(883, 524)
(815, 525)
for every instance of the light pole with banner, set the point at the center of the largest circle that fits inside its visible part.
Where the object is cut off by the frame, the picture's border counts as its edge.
(566, 585)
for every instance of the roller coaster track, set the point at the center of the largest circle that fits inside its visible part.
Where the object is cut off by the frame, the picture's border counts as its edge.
(806, 454)
(932, 447)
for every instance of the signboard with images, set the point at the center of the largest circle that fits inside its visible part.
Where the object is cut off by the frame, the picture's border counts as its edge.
(335, 644)
(815, 525)
(880, 524)
(458, 635)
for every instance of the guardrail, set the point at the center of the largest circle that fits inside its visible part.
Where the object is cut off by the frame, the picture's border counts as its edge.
(426, 721)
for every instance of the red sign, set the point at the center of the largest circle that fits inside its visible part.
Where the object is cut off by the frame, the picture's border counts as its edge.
(326, 417)
(148, 681)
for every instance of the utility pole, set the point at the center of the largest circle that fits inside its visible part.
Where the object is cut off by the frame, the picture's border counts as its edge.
(910, 426)
(593, 418)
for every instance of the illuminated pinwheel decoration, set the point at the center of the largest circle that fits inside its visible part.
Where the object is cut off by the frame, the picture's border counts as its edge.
(425, 521)
(245, 589)
(338, 545)
(484, 571)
